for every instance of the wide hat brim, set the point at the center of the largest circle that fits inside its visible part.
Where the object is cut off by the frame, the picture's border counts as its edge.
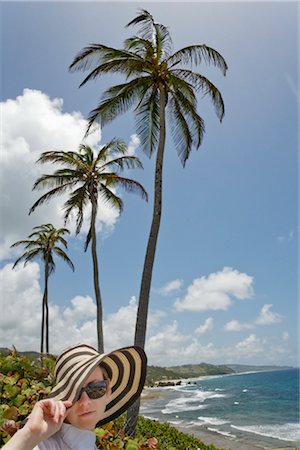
(126, 368)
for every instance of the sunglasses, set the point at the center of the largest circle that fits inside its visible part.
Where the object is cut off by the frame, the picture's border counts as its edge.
(95, 390)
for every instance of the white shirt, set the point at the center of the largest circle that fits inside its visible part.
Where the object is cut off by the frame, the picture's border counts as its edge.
(69, 438)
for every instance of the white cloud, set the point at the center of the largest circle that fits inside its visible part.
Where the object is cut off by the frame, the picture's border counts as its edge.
(207, 326)
(166, 344)
(170, 288)
(250, 346)
(21, 305)
(267, 317)
(133, 144)
(33, 123)
(235, 325)
(215, 291)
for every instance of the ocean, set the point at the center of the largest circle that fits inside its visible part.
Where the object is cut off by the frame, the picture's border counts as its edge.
(250, 405)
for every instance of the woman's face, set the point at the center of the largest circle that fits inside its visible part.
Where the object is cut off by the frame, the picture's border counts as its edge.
(86, 413)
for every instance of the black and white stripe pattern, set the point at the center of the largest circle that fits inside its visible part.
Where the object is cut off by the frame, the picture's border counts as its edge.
(126, 368)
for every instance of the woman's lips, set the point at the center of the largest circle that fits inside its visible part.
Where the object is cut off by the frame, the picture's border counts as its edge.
(86, 413)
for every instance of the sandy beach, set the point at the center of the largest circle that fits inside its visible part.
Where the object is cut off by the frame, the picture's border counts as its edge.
(238, 443)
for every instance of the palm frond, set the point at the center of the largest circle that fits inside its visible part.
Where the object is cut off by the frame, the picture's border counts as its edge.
(140, 46)
(127, 63)
(93, 54)
(109, 197)
(203, 84)
(26, 242)
(129, 185)
(145, 19)
(59, 178)
(163, 41)
(50, 194)
(28, 256)
(114, 146)
(88, 239)
(116, 101)
(64, 256)
(180, 131)
(189, 109)
(124, 162)
(147, 122)
(77, 201)
(195, 54)
(66, 158)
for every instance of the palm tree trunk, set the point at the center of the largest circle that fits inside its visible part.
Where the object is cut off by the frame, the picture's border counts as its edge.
(43, 325)
(142, 312)
(46, 306)
(96, 277)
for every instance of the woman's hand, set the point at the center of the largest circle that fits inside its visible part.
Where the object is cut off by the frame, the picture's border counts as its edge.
(45, 419)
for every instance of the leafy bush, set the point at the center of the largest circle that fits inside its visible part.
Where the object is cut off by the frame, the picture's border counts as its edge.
(22, 384)
(168, 437)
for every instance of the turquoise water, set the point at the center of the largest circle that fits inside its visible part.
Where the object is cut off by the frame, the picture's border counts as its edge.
(262, 403)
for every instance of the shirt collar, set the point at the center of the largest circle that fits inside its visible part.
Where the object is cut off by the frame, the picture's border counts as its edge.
(78, 438)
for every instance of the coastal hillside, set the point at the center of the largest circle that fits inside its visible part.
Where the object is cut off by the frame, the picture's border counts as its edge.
(238, 368)
(155, 373)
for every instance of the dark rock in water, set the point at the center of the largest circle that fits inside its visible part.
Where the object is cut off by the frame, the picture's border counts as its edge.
(167, 383)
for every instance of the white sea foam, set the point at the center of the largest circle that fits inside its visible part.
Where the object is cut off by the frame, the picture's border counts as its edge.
(245, 390)
(190, 401)
(236, 403)
(212, 420)
(182, 404)
(224, 433)
(151, 417)
(285, 432)
(175, 422)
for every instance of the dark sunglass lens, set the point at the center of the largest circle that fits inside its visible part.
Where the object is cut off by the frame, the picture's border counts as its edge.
(96, 390)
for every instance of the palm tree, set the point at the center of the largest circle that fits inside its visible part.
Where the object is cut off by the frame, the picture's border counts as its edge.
(159, 88)
(89, 177)
(44, 243)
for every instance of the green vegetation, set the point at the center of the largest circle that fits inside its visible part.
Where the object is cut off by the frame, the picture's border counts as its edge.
(23, 382)
(168, 437)
(155, 374)
(195, 370)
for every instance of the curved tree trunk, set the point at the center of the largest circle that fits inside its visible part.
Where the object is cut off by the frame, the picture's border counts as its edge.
(46, 307)
(43, 325)
(96, 277)
(142, 312)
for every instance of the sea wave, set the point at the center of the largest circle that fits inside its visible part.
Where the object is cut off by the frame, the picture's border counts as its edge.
(224, 433)
(212, 420)
(285, 432)
(190, 402)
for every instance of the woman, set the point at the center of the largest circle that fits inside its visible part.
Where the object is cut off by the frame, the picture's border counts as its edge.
(90, 390)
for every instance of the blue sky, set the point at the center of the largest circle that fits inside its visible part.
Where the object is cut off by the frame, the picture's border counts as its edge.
(225, 279)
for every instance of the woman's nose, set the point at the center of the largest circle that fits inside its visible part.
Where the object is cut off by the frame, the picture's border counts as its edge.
(84, 397)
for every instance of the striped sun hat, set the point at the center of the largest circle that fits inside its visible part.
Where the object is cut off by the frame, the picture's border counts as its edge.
(126, 369)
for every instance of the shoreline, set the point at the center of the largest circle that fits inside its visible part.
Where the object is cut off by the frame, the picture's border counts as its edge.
(256, 442)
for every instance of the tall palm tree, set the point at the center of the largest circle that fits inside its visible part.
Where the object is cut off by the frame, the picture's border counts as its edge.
(44, 243)
(158, 87)
(89, 177)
